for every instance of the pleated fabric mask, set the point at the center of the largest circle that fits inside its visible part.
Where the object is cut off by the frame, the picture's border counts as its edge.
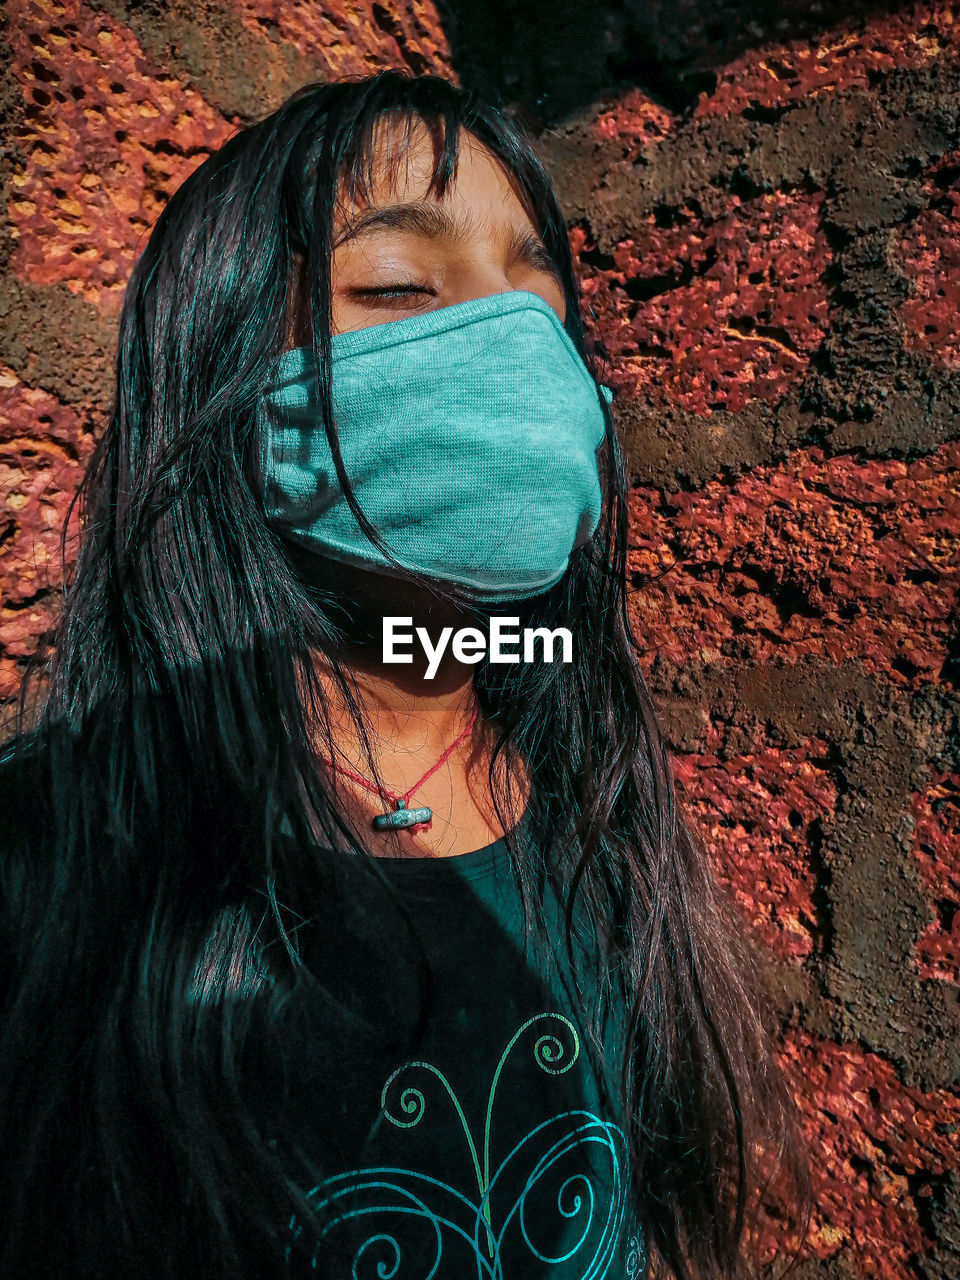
(469, 433)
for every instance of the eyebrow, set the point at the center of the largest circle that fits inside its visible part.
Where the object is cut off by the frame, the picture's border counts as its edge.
(435, 223)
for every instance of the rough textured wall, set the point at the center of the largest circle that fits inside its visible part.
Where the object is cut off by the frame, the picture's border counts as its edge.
(765, 207)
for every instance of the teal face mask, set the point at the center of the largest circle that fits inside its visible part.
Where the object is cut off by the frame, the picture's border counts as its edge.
(469, 434)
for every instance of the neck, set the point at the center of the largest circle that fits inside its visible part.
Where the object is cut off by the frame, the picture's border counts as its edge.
(412, 721)
(406, 710)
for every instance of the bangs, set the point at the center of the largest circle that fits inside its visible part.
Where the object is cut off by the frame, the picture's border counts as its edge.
(364, 159)
(351, 139)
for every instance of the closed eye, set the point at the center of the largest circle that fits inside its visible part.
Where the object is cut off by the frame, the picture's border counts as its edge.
(390, 291)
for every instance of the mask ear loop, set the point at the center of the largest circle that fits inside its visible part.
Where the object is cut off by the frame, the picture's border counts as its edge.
(606, 393)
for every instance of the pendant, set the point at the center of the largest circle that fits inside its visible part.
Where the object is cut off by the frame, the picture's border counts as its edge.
(402, 817)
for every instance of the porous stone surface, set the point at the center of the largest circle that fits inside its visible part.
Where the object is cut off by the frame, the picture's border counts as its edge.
(764, 207)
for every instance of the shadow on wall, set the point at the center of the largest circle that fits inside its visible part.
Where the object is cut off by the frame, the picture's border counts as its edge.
(549, 60)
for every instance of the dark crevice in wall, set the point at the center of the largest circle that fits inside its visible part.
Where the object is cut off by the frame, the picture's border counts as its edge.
(822, 926)
(553, 63)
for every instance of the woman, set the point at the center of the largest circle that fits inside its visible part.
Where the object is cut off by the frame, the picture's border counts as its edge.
(329, 964)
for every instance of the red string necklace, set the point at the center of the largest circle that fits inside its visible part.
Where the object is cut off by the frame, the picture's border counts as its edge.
(402, 817)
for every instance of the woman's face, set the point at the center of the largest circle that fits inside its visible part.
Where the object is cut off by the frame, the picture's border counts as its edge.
(407, 252)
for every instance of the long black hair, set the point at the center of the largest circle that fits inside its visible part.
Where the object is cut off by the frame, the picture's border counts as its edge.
(148, 900)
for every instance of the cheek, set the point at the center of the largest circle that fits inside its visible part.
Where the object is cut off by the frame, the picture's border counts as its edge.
(548, 290)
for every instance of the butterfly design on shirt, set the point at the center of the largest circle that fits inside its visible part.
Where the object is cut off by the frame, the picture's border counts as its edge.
(591, 1206)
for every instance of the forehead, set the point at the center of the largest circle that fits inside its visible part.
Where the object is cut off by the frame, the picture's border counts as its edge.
(398, 166)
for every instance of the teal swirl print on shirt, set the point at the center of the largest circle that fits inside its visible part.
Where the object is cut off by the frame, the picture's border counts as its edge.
(586, 1205)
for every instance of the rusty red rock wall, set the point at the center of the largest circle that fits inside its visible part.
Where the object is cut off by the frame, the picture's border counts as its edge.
(765, 210)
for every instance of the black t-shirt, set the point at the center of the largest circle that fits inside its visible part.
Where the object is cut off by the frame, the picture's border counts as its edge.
(486, 1151)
